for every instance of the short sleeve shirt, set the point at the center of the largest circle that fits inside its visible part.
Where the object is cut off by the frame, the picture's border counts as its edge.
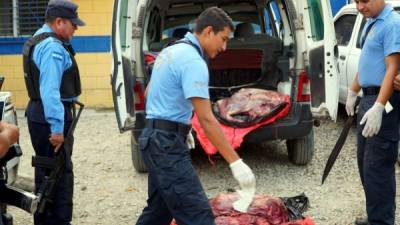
(383, 40)
(179, 73)
(52, 60)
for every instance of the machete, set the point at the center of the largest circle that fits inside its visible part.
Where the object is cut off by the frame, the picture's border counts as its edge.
(339, 144)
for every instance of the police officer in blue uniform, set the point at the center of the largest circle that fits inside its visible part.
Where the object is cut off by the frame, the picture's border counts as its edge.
(53, 84)
(179, 85)
(378, 113)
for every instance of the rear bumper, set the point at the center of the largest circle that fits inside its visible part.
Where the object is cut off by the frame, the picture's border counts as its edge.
(297, 124)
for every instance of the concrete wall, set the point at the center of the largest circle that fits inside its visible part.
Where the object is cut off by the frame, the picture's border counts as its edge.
(93, 57)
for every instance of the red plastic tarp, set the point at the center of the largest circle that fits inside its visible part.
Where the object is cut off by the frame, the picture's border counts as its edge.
(234, 135)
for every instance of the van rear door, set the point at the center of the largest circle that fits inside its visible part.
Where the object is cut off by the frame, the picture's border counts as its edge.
(321, 55)
(123, 73)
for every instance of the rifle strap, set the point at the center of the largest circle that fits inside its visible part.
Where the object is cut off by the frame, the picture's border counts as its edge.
(43, 162)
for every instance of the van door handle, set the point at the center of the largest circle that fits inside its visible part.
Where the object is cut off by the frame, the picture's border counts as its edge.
(342, 57)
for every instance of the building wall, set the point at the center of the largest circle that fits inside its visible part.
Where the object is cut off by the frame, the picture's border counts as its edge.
(93, 56)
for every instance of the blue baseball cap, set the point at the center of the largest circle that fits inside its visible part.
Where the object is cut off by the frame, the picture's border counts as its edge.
(64, 9)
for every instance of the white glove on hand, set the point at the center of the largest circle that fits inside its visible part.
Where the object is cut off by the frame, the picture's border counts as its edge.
(350, 102)
(190, 141)
(245, 199)
(372, 120)
(247, 182)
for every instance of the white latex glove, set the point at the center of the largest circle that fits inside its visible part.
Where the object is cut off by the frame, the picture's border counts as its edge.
(350, 102)
(372, 120)
(246, 196)
(247, 182)
(190, 141)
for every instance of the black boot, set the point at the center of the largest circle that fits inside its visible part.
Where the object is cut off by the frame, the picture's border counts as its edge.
(361, 221)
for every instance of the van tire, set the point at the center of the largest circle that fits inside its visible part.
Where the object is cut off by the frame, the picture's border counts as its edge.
(301, 151)
(137, 160)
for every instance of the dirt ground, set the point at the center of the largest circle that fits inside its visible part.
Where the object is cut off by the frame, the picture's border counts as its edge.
(109, 191)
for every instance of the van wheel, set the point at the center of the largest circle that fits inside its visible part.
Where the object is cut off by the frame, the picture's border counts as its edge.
(301, 151)
(137, 157)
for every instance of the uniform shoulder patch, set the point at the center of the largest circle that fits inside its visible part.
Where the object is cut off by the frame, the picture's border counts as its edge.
(57, 56)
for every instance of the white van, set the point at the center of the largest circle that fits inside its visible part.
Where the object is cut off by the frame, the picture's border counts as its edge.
(294, 41)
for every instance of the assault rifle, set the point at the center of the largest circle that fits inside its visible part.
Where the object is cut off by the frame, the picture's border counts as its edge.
(11, 195)
(48, 187)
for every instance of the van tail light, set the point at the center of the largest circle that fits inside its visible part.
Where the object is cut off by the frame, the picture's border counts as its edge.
(149, 58)
(303, 92)
(139, 96)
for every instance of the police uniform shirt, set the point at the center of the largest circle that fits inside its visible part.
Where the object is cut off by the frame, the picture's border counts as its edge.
(52, 60)
(179, 74)
(383, 40)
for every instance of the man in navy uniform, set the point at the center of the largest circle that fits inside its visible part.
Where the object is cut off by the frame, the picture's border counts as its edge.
(53, 84)
(179, 85)
(378, 114)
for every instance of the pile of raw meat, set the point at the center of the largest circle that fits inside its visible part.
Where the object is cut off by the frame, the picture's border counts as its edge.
(249, 106)
(264, 210)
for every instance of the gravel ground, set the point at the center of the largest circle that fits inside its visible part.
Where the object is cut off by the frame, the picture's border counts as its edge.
(109, 191)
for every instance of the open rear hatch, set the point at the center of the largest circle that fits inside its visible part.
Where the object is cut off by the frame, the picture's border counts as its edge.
(321, 52)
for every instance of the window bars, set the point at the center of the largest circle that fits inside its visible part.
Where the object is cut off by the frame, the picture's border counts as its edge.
(21, 17)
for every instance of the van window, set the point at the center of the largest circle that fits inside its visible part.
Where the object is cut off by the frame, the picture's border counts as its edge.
(268, 24)
(177, 32)
(316, 19)
(273, 21)
(344, 28)
(164, 28)
(154, 26)
(245, 19)
(122, 23)
(177, 27)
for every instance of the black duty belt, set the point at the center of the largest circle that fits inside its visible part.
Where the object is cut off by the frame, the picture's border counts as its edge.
(66, 104)
(167, 125)
(371, 90)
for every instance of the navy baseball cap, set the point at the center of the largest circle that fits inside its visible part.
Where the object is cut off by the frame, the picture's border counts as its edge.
(64, 9)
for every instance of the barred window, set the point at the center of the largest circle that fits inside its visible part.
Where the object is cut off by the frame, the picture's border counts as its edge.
(21, 17)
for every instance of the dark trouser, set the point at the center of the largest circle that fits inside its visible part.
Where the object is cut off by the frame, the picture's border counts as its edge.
(376, 157)
(60, 211)
(174, 189)
(1, 218)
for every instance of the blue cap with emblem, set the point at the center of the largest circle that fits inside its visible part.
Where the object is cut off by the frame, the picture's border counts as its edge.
(64, 9)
